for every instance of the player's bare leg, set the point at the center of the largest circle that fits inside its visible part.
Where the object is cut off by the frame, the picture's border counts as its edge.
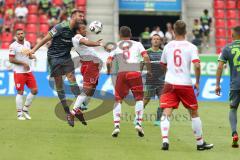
(117, 117)
(28, 103)
(19, 105)
(63, 100)
(197, 130)
(165, 126)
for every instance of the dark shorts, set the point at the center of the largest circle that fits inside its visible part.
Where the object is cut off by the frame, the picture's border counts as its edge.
(60, 66)
(234, 97)
(153, 90)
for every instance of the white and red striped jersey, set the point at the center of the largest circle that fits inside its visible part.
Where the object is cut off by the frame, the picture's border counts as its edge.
(178, 56)
(16, 50)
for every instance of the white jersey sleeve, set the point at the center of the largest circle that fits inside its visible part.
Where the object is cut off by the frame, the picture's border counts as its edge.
(194, 55)
(163, 57)
(12, 52)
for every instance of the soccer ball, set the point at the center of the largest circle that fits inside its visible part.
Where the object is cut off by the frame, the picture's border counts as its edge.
(96, 27)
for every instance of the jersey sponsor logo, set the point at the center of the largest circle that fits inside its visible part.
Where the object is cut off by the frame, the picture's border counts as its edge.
(18, 85)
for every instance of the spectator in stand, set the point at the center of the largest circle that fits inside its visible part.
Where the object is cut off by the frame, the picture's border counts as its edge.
(9, 12)
(1, 23)
(198, 35)
(44, 6)
(169, 35)
(21, 12)
(206, 22)
(32, 2)
(67, 2)
(68, 8)
(145, 37)
(54, 11)
(1, 3)
(8, 23)
(158, 31)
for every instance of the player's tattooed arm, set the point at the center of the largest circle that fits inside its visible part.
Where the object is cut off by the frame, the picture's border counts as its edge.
(47, 38)
(218, 77)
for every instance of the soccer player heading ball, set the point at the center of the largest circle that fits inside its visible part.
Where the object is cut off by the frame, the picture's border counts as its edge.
(178, 56)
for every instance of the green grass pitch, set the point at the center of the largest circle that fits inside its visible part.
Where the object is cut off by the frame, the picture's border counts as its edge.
(46, 137)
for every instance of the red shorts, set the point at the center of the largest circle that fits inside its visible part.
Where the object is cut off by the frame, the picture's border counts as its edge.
(21, 79)
(173, 94)
(129, 81)
(90, 72)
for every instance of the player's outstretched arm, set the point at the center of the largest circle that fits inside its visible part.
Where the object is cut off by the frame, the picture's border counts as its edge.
(197, 71)
(47, 38)
(218, 77)
(90, 43)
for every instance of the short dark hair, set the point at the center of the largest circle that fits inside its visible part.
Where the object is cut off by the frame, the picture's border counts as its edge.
(157, 35)
(180, 28)
(125, 31)
(74, 11)
(19, 29)
(205, 11)
(237, 30)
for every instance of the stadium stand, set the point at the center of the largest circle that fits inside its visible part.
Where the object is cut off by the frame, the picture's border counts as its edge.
(226, 14)
(37, 23)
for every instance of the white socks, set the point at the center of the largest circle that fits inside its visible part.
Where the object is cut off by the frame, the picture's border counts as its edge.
(139, 112)
(19, 104)
(80, 99)
(165, 126)
(28, 101)
(117, 113)
(197, 130)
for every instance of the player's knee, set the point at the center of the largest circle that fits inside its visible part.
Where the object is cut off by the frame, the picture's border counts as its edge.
(233, 106)
(34, 91)
(20, 92)
(194, 113)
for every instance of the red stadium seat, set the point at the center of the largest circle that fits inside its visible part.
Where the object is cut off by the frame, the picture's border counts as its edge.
(219, 50)
(81, 2)
(32, 38)
(32, 9)
(231, 4)
(32, 18)
(7, 37)
(219, 4)
(232, 13)
(219, 13)
(232, 23)
(19, 26)
(44, 28)
(229, 33)
(31, 28)
(57, 2)
(5, 45)
(230, 40)
(43, 19)
(220, 23)
(221, 32)
(10, 2)
(220, 42)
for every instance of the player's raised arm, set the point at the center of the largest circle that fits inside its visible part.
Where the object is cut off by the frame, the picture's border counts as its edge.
(47, 38)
